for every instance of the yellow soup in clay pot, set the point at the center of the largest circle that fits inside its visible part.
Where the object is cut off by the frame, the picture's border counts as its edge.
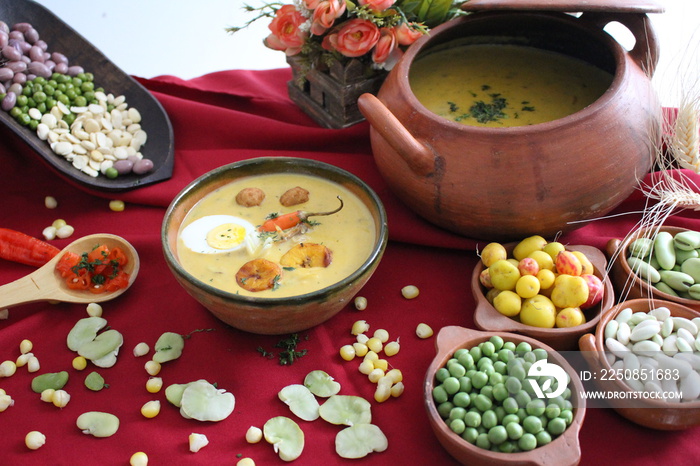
(505, 85)
(222, 242)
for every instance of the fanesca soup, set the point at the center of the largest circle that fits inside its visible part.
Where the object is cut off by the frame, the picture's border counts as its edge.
(253, 237)
(494, 85)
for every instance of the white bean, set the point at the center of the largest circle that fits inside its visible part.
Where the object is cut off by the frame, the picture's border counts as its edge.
(616, 348)
(690, 386)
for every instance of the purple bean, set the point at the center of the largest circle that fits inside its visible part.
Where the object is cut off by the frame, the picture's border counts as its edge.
(17, 35)
(50, 65)
(22, 27)
(11, 53)
(143, 166)
(14, 87)
(36, 54)
(6, 74)
(3, 39)
(42, 44)
(24, 46)
(133, 158)
(75, 70)
(31, 35)
(9, 101)
(59, 58)
(61, 68)
(19, 78)
(39, 69)
(4, 27)
(31, 77)
(2, 88)
(16, 66)
(124, 166)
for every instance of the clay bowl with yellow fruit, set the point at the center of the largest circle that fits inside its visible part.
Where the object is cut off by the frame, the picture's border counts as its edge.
(648, 411)
(573, 322)
(252, 242)
(557, 446)
(632, 285)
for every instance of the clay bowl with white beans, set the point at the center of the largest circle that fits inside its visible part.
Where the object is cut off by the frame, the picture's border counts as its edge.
(646, 372)
(632, 285)
(300, 296)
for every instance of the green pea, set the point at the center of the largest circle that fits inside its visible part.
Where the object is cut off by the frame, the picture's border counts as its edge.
(441, 374)
(489, 419)
(529, 357)
(466, 360)
(95, 382)
(482, 441)
(39, 96)
(465, 384)
(53, 380)
(444, 409)
(39, 80)
(513, 385)
(487, 391)
(15, 111)
(484, 363)
(540, 354)
(23, 119)
(536, 407)
(523, 398)
(479, 379)
(456, 369)
(472, 419)
(500, 367)
(483, 403)
(497, 342)
(556, 426)
(33, 124)
(518, 371)
(470, 434)
(497, 435)
(80, 101)
(508, 418)
(510, 405)
(552, 411)
(523, 347)
(476, 353)
(514, 430)
(87, 86)
(70, 118)
(440, 394)
(500, 392)
(111, 173)
(567, 415)
(532, 424)
(487, 348)
(507, 447)
(500, 413)
(509, 345)
(495, 378)
(543, 438)
(506, 355)
(21, 100)
(527, 442)
(451, 385)
(462, 399)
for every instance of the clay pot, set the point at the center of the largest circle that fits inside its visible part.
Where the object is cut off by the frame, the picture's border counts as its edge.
(509, 183)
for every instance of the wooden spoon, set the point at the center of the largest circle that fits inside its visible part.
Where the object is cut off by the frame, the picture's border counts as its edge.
(46, 284)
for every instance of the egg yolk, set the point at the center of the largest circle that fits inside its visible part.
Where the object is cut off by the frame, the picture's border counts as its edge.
(226, 236)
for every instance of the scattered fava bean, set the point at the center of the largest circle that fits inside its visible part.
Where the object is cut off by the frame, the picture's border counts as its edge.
(138, 459)
(168, 347)
(116, 205)
(98, 424)
(424, 331)
(34, 440)
(410, 292)
(95, 382)
(360, 303)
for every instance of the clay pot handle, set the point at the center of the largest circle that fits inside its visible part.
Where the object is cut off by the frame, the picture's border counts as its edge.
(419, 158)
(646, 47)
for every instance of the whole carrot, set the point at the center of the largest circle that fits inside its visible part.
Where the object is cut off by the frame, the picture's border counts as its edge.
(19, 247)
(286, 221)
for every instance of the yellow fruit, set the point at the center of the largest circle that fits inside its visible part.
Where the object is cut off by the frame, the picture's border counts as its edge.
(527, 286)
(493, 252)
(258, 275)
(538, 311)
(507, 303)
(306, 255)
(553, 248)
(526, 246)
(569, 291)
(567, 263)
(504, 275)
(544, 261)
(491, 295)
(586, 266)
(570, 317)
(546, 278)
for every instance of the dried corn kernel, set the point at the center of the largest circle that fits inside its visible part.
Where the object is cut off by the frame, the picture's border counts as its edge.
(366, 367)
(59, 223)
(383, 391)
(375, 344)
(361, 326)
(424, 331)
(375, 375)
(197, 442)
(50, 202)
(33, 364)
(371, 356)
(79, 363)
(47, 394)
(360, 349)
(347, 352)
(94, 310)
(154, 384)
(116, 205)
(8, 368)
(5, 401)
(362, 338)
(23, 359)
(245, 462)
(360, 303)
(150, 409)
(34, 440)
(391, 348)
(395, 375)
(382, 334)
(138, 459)
(382, 364)
(410, 292)
(60, 398)
(253, 434)
(397, 389)
(152, 367)
(25, 346)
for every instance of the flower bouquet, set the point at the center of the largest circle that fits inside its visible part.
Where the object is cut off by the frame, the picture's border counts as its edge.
(340, 49)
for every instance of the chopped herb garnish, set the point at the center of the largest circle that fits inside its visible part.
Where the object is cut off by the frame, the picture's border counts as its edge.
(484, 113)
(288, 353)
(453, 107)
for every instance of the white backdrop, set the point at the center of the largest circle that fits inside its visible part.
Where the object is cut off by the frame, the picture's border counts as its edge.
(148, 38)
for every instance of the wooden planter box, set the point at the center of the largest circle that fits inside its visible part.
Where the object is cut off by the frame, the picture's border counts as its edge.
(329, 95)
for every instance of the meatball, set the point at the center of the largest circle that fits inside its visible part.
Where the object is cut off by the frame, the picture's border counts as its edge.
(294, 196)
(250, 197)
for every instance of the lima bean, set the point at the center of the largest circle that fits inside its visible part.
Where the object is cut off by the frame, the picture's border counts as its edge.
(687, 240)
(664, 251)
(98, 424)
(679, 281)
(168, 347)
(644, 269)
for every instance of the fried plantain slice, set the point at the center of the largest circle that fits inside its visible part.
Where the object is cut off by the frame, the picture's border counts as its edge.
(307, 255)
(258, 275)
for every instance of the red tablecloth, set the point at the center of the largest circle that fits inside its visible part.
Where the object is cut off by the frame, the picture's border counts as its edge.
(217, 119)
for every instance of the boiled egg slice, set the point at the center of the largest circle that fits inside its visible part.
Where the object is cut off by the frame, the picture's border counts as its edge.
(215, 234)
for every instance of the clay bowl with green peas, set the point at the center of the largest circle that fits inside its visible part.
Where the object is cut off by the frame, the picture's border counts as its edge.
(464, 388)
(273, 315)
(486, 317)
(635, 282)
(644, 410)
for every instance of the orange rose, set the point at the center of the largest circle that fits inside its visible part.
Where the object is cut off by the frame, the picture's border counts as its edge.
(286, 33)
(325, 15)
(406, 35)
(354, 38)
(311, 4)
(377, 5)
(385, 45)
